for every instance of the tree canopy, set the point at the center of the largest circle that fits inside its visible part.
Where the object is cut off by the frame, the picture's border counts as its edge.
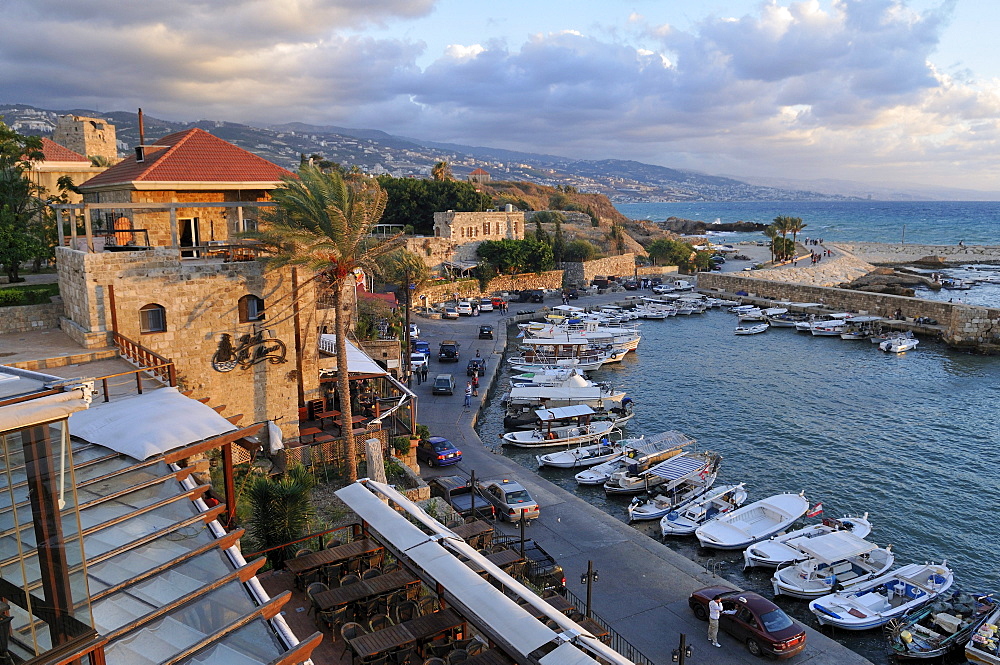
(414, 201)
(511, 257)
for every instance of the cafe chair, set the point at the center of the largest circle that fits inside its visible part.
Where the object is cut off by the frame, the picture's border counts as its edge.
(349, 631)
(406, 610)
(458, 656)
(335, 618)
(349, 578)
(434, 661)
(378, 622)
(311, 591)
(370, 573)
(427, 605)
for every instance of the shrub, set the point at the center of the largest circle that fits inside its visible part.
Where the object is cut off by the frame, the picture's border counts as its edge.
(423, 432)
(401, 445)
(36, 294)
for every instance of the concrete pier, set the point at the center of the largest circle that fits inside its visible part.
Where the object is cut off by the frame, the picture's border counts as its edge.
(643, 586)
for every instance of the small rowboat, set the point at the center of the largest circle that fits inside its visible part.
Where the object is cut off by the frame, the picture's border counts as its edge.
(750, 330)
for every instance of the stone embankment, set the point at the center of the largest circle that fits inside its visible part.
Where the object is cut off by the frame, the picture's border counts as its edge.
(892, 254)
(830, 271)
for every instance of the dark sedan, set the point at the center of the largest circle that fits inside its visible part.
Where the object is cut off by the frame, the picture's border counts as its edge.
(438, 451)
(476, 366)
(756, 622)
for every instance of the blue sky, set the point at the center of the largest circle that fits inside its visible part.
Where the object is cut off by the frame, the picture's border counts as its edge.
(867, 90)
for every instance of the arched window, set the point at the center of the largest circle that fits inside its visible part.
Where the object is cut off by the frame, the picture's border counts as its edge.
(251, 309)
(152, 318)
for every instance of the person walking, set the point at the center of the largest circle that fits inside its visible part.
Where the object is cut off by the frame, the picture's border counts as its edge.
(423, 371)
(475, 384)
(714, 613)
(468, 394)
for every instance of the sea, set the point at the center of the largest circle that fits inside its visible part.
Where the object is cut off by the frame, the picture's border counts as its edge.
(911, 440)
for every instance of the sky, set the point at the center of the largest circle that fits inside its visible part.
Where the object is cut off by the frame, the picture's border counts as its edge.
(866, 90)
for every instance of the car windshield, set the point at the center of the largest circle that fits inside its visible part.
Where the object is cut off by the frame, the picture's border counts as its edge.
(518, 496)
(775, 620)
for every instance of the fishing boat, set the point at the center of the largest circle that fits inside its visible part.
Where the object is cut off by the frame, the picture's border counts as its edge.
(716, 501)
(639, 452)
(751, 330)
(752, 523)
(984, 647)
(837, 560)
(684, 479)
(750, 315)
(787, 319)
(823, 320)
(551, 433)
(940, 627)
(877, 601)
(859, 327)
(582, 456)
(899, 344)
(522, 401)
(783, 548)
(635, 479)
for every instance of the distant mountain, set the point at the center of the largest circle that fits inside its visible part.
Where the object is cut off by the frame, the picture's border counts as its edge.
(377, 152)
(879, 191)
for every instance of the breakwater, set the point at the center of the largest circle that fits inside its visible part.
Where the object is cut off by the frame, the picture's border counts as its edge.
(963, 326)
(896, 254)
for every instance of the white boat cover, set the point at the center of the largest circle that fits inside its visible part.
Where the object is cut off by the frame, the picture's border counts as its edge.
(563, 412)
(835, 546)
(551, 341)
(567, 308)
(676, 467)
(149, 424)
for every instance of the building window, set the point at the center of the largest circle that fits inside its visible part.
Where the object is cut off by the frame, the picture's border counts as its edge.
(486, 228)
(152, 318)
(251, 309)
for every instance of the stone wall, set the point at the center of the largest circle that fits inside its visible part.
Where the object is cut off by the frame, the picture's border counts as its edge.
(580, 274)
(469, 288)
(25, 318)
(965, 326)
(434, 251)
(467, 226)
(200, 299)
(891, 254)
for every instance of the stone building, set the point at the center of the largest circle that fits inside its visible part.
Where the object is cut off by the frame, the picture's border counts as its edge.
(479, 176)
(61, 161)
(193, 167)
(462, 227)
(91, 137)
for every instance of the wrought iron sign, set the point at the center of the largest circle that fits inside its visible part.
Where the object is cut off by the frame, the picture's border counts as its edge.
(253, 348)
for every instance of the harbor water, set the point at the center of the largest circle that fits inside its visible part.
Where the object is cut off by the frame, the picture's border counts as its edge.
(909, 439)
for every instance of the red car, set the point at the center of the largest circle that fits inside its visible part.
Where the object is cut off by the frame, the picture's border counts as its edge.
(760, 624)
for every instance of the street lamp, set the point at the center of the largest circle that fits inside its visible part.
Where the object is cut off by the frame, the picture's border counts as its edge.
(683, 651)
(589, 578)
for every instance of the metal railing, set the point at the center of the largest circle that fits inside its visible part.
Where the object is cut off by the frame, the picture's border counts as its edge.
(614, 639)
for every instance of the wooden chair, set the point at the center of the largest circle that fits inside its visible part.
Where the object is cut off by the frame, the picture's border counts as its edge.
(457, 656)
(374, 560)
(406, 610)
(440, 648)
(335, 618)
(308, 578)
(350, 578)
(370, 573)
(378, 622)
(311, 591)
(434, 661)
(349, 631)
(427, 604)
(475, 647)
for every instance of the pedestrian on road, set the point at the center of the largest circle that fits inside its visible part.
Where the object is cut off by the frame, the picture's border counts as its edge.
(423, 371)
(468, 394)
(416, 372)
(475, 384)
(477, 353)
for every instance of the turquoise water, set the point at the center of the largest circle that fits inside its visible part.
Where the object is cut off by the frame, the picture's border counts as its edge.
(926, 222)
(910, 439)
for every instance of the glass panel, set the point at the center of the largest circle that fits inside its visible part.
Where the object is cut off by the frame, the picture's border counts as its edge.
(252, 644)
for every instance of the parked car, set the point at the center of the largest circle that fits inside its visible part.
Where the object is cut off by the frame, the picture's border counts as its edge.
(420, 346)
(497, 302)
(758, 623)
(486, 305)
(448, 351)
(485, 332)
(536, 296)
(542, 570)
(449, 312)
(444, 384)
(510, 499)
(462, 497)
(476, 366)
(417, 361)
(438, 451)
(631, 285)
(414, 331)
(464, 308)
(572, 294)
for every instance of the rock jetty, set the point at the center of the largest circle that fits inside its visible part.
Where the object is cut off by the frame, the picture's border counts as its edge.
(693, 227)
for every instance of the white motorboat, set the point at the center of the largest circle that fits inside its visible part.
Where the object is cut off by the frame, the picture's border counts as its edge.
(837, 560)
(684, 479)
(635, 478)
(582, 456)
(551, 433)
(899, 344)
(751, 330)
(755, 315)
(640, 452)
(783, 548)
(824, 320)
(754, 522)
(786, 320)
(879, 600)
(708, 506)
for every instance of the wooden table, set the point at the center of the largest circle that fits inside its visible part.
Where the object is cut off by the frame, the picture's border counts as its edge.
(303, 564)
(561, 604)
(309, 431)
(376, 586)
(400, 635)
(500, 559)
(490, 657)
(469, 531)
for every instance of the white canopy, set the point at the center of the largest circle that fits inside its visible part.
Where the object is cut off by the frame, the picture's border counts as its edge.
(150, 424)
(564, 412)
(835, 546)
(358, 362)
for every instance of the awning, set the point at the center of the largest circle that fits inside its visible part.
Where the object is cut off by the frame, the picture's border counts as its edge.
(835, 546)
(150, 424)
(564, 412)
(358, 362)
(676, 468)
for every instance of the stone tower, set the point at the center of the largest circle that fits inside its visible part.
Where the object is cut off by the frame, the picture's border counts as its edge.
(88, 136)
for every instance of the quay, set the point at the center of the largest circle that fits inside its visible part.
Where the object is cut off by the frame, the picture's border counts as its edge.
(644, 586)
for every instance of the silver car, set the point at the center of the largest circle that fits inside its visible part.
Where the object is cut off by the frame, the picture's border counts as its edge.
(510, 499)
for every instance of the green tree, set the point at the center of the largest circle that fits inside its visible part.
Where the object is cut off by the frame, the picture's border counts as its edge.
(322, 221)
(20, 202)
(441, 171)
(540, 234)
(280, 511)
(580, 250)
(511, 257)
(772, 234)
(783, 225)
(414, 201)
(537, 256)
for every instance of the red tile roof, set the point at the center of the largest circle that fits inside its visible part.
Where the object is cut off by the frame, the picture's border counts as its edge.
(192, 156)
(480, 172)
(57, 153)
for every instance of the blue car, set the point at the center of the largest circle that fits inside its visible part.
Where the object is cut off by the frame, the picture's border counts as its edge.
(438, 451)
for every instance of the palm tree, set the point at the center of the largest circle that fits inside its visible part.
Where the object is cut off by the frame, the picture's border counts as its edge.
(783, 224)
(280, 511)
(441, 171)
(409, 272)
(772, 234)
(795, 226)
(322, 222)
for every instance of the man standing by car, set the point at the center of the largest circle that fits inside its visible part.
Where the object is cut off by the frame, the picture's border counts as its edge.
(468, 394)
(714, 613)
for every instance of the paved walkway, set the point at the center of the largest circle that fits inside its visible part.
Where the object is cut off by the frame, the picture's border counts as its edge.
(643, 586)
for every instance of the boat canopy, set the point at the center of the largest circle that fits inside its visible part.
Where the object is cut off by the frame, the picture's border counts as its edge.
(835, 546)
(676, 468)
(864, 319)
(660, 442)
(552, 341)
(563, 412)
(567, 308)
